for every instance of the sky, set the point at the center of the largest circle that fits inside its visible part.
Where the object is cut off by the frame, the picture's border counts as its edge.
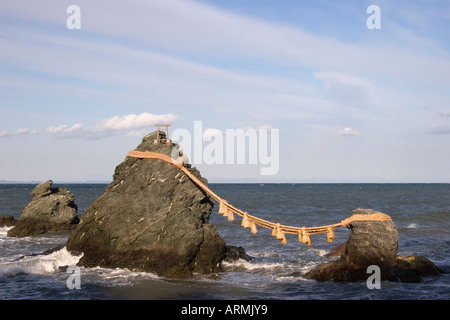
(350, 103)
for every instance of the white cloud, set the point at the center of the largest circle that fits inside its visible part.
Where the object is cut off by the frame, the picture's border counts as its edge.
(126, 124)
(134, 121)
(63, 129)
(15, 133)
(20, 132)
(349, 132)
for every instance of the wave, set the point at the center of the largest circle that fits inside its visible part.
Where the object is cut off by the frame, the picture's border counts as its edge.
(4, 231)
(39, 264)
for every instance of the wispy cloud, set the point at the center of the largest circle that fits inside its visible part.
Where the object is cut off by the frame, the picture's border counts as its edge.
(349, 132)
(125, 124)
(15, 133)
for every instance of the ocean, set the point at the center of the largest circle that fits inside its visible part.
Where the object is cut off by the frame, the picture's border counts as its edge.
(421, 213)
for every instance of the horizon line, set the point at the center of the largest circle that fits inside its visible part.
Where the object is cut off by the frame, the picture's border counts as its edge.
(229, 182)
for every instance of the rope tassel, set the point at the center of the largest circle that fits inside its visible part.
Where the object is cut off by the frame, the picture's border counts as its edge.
(222, 207)
(280, 235)
(245, 223)
(303, 236)
(225, 210)
(276, 232)
(253, 228)
(229, 214)
(330, 235)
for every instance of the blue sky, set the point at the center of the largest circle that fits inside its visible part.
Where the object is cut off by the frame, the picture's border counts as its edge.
(351, 104)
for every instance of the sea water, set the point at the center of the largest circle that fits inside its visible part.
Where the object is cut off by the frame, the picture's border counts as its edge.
(421, 213)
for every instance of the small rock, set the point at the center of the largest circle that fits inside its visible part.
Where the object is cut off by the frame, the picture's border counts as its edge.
(7, 221)
(43, 189)
(236, 253)
(51, 209)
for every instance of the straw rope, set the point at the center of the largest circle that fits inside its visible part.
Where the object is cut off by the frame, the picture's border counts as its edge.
(249, 221)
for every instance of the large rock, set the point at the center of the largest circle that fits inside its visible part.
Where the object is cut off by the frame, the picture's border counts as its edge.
(373, 243)
(151, 217)
(51, 209)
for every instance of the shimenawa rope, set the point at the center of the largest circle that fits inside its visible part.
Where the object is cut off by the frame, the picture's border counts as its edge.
(249, 221)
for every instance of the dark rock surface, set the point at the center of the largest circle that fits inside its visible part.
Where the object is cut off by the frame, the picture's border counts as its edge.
(7, 221)
(51, 209)
(372, 243)
(236, 253)
(151, 217)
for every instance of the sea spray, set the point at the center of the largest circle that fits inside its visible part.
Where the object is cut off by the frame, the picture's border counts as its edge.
(39, 264)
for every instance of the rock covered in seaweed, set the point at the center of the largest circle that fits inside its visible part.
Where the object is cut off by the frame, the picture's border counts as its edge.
(151, 217)
(51, 209)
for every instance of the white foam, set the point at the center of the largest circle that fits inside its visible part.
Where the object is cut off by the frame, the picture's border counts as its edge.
(322, 252)
(4, 231)
(107, 277)
(412, 226)
(40, 264)
(251, 266)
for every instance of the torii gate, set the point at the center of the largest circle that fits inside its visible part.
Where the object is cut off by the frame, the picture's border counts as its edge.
(164, 128)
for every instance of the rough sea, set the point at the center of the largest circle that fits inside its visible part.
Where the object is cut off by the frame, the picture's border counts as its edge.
(421, 213)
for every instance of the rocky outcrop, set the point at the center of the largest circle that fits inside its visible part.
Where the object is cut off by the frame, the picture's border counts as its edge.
(236, 253)
(51, 209)
(372, 243)
(151, 217)
(7, 221)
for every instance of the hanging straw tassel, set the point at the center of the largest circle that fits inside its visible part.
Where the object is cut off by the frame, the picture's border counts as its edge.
(303, 236)
(279, 233)
(245, 223)
(330, 235)
(222, 206)
(253, 228)
(229, 214)
(274, 230)
(225, 210)
(307, 240)
(283, 240)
